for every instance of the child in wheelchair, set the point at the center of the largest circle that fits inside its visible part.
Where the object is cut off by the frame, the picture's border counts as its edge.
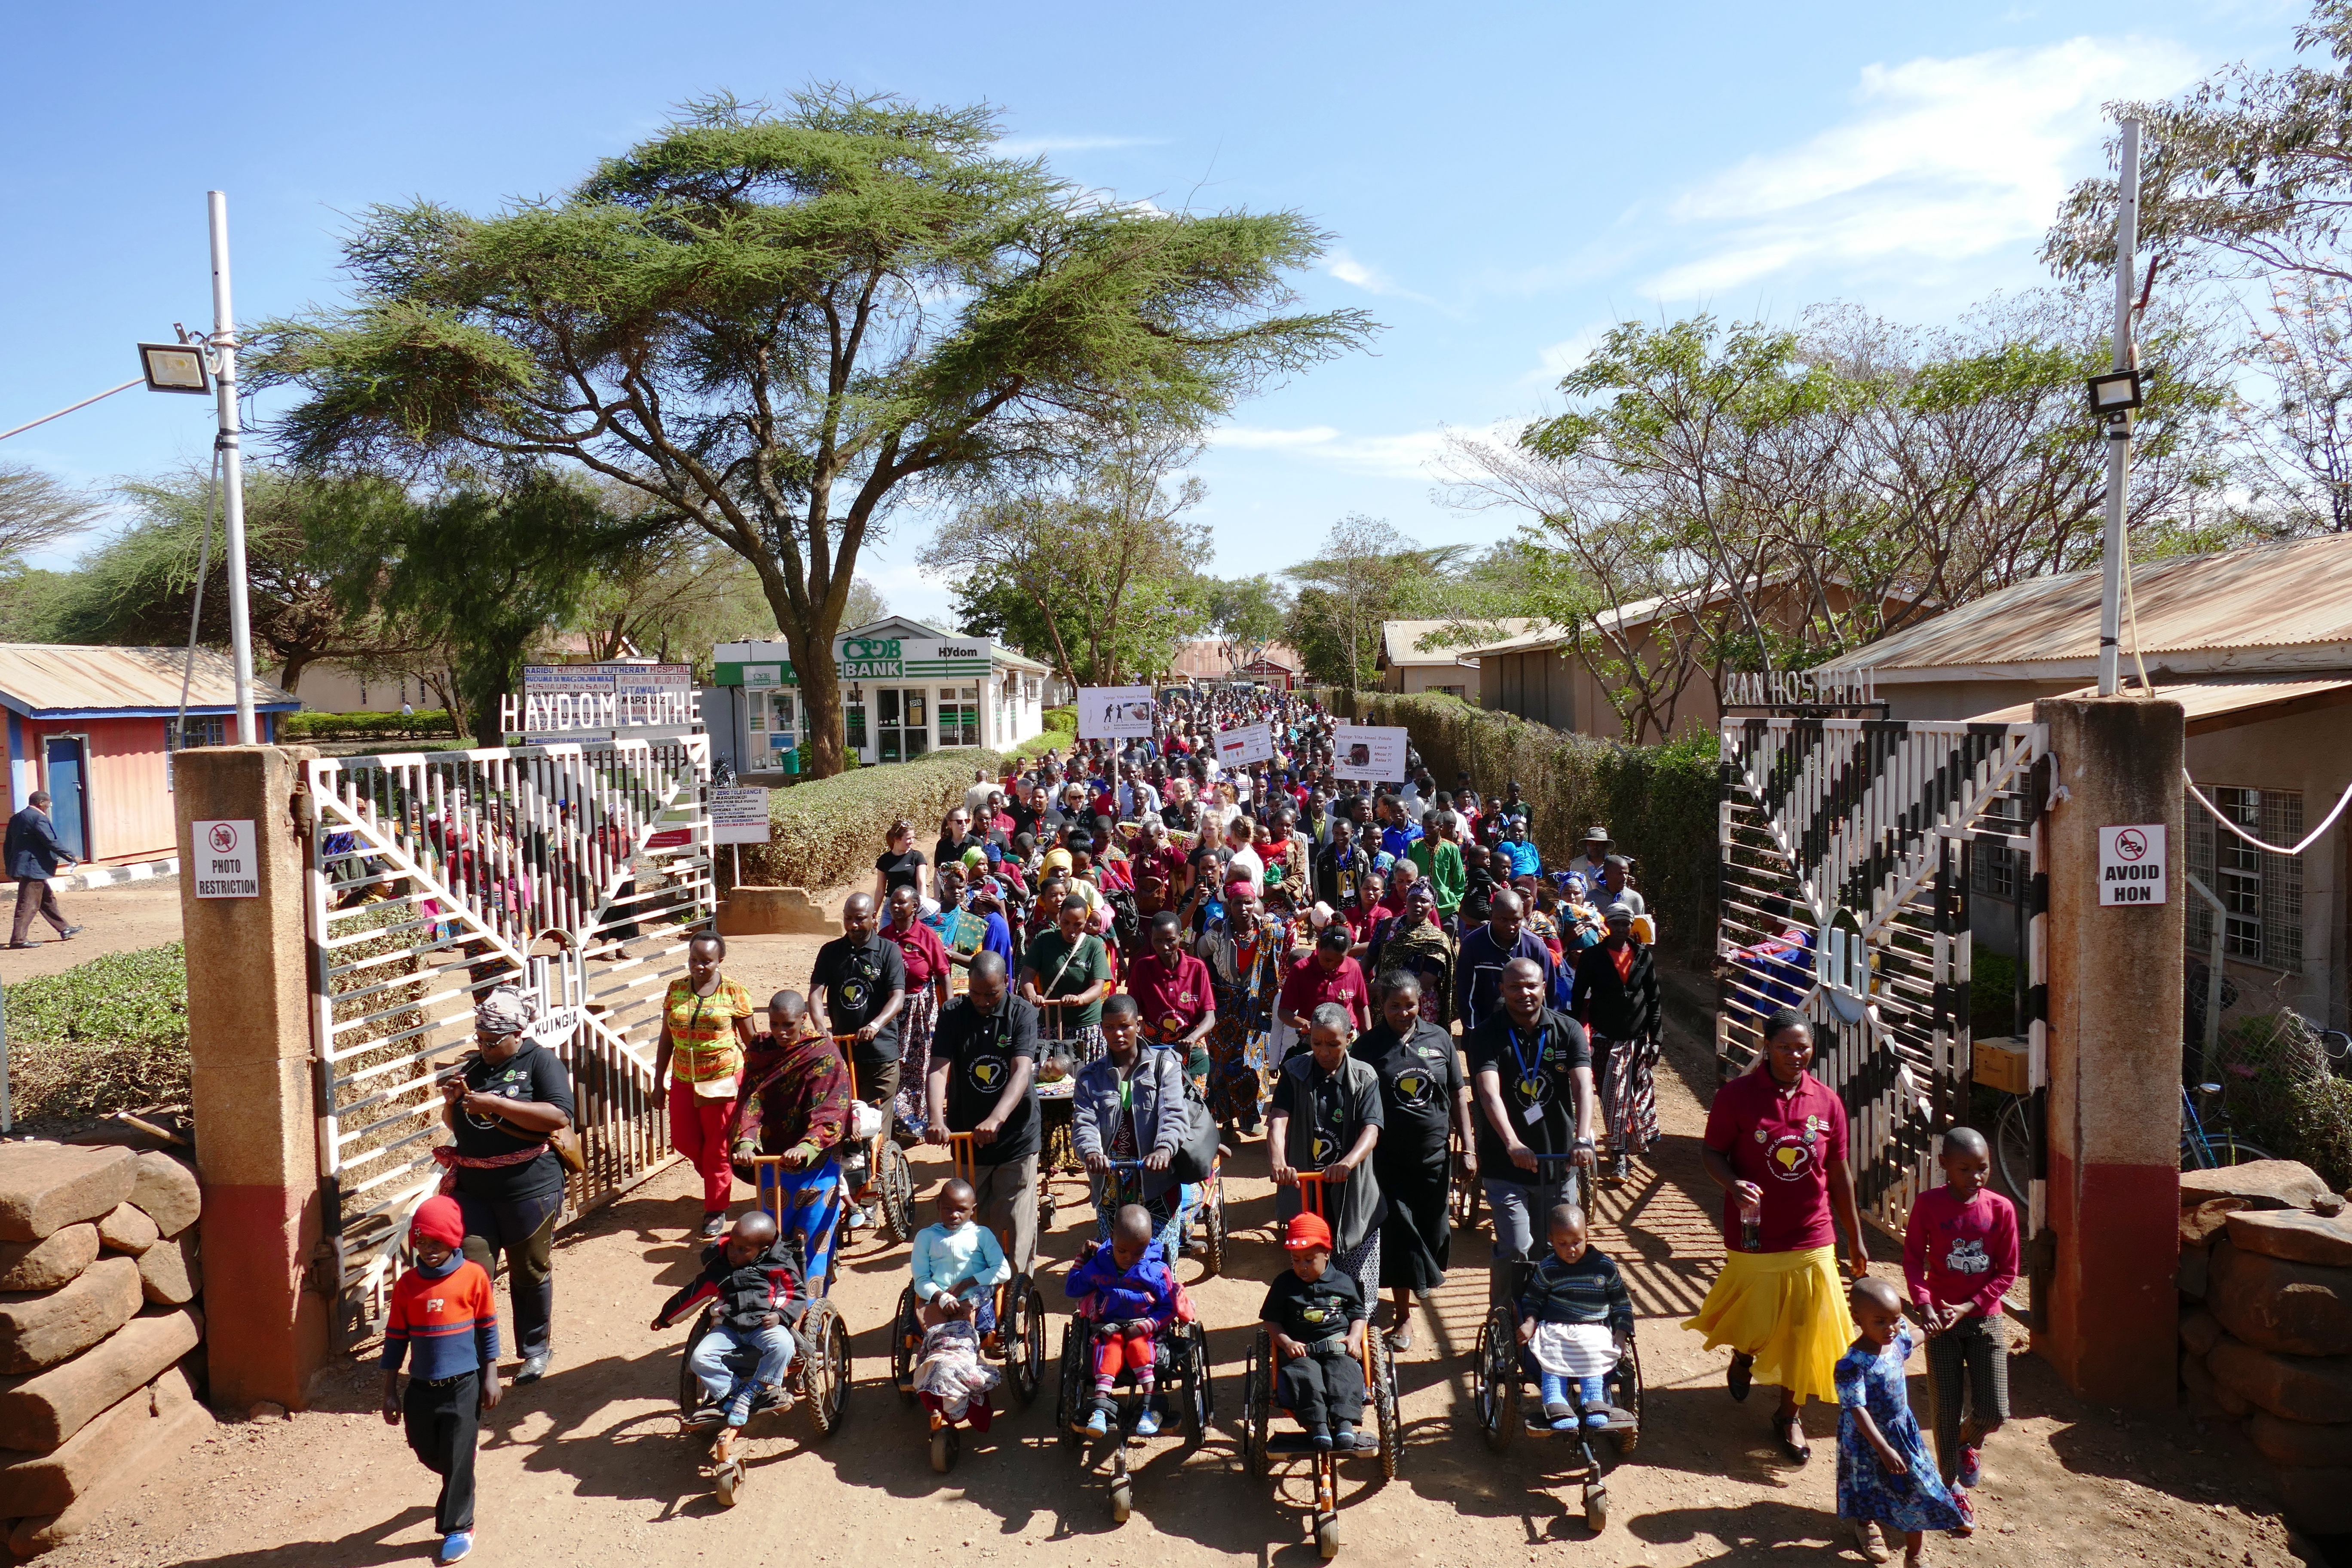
(1575, 1320)
(1125, 1292)
(753, 1280)
(958, 1265)
(1317, 1316)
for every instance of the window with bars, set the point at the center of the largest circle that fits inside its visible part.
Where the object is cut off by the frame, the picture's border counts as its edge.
(1996, 868)
(958, 716)
(2260, 893)
(852, 723)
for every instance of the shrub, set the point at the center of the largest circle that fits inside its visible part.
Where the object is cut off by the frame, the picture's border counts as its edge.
(108, 1035)
(426, 723)
(1659, 802)
(2281, 1094)
(827, 832)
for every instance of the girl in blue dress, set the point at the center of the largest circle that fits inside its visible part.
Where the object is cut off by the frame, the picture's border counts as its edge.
(1886, 1476)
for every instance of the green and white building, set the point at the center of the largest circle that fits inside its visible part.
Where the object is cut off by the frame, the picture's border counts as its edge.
(906, 689)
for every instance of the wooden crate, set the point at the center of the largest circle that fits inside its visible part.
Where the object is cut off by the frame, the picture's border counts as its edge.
(2001, 1064)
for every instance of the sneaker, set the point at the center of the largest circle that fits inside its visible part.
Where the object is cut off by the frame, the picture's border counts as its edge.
(455, 1545)
(714, 1226)
(1319, 1439)
(1097, 1422)
(1970, 1470)
(1146, 1425)
(1556, 1411)
(1865, 1540)
(1967, 1525)
(1343, 1436)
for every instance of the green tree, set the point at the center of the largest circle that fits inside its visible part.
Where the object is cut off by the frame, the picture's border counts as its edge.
(779, 325)
(1365, 574)
(1248, 613)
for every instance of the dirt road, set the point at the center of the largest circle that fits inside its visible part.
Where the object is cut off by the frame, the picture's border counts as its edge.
(119, 919)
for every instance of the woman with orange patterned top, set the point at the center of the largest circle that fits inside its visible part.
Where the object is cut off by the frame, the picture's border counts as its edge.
(706, 1029)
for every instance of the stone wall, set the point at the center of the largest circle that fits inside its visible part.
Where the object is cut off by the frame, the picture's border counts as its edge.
(2266, 1325)
(99, 1279)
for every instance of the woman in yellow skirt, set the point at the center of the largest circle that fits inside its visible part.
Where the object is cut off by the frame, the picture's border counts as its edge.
(1776, 1144)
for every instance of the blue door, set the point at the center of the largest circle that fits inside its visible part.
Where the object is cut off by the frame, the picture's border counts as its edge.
(69, 792)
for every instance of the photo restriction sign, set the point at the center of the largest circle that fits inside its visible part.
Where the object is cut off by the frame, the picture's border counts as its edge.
(227, 865)
(2131, 864)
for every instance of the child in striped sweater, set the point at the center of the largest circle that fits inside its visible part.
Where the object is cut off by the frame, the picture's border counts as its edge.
(444, 1321)
(1574, 1318)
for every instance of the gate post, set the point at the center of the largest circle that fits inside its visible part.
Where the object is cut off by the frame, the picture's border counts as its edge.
(250, 1060)
(2110, 1321)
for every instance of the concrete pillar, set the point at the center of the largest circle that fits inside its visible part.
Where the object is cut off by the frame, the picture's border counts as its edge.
(249, 1049)
(2110, 1321)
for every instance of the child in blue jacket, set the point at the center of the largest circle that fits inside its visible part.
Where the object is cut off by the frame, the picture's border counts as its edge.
(1126, 1288)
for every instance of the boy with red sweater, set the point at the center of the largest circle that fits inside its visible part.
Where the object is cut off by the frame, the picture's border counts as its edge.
(444, 1311)
(1959, 1258)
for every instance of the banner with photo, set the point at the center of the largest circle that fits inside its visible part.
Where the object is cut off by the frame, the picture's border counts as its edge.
(1244, 744)
(1369, 752)
(1115, 712)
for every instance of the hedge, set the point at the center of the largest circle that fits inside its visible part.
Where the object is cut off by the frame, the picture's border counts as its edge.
(1659, 802)
(427, 723)
(108, 1035)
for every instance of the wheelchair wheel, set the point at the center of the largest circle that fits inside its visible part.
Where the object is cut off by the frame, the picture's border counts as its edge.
(1326, 1538)
(1257, 1401)
(1464, 1202)
(824, 1366)
(1384, 1404)
(727, 1482)
(894, 1184)
(1023, 1333)
(1596, 1508)
(1199, 1397)
(1629, 1399)
(1496, 1386)
(944, 1446)
(905, 1341)
(1213, 1227)
(689, 1388)
(1072, 1377)
(1046, 1206)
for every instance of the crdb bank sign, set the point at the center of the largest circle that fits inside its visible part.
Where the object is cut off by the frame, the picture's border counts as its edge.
(872, 659)
(910, 658)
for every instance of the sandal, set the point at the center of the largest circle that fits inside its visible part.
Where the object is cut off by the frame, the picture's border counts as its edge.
(1401, 1338)
(1792, 1436)
(1740, 1376)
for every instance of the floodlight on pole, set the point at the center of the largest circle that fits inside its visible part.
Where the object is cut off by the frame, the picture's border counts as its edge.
(224, 345)
(2115, 392)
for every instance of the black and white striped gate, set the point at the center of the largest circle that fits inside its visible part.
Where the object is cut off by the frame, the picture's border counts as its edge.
(1877, 832)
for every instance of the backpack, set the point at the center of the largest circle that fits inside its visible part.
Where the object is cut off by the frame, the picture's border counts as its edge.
(1126, 922)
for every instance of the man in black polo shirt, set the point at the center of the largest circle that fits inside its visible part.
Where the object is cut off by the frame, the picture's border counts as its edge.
(859, 986)
(983, 1063)
(1532, 1073)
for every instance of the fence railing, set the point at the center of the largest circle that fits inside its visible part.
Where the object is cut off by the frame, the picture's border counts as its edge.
(578, 870)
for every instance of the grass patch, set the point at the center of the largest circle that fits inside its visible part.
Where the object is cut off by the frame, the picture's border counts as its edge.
(108, 1035)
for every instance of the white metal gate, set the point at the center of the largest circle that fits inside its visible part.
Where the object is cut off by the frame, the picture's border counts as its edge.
(580, 868)
(1875, 831)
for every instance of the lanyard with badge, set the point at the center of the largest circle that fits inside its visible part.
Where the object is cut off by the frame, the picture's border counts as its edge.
(1530, 1083)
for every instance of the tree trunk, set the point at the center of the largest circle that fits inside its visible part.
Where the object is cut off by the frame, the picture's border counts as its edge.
(823, 754)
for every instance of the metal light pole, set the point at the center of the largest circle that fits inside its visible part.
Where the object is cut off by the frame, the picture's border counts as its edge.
(240, 620)
(2111, 572)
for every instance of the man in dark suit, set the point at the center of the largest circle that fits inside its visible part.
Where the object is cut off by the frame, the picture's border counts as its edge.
(34, 855)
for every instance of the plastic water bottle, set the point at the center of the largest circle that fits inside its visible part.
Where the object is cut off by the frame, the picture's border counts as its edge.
(1751, 1225)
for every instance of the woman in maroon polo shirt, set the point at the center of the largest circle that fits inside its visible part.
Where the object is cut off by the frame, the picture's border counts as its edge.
(1776, 1144)
(927, 997)
(1327, 974)
(1171, 986)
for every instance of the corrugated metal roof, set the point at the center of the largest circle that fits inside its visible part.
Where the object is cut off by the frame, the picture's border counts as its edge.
(37, 678)
(1397, 639)
(2287, 596)
(2204, 700)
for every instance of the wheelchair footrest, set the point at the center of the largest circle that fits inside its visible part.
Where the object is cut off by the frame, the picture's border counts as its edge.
(1300, 1443)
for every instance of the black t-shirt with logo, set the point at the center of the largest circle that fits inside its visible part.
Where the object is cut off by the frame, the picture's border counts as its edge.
(534, 1073)
(1537, 1069)
(858, 978)
(1421, 1077)
(980, 1048)
(1311, 1312)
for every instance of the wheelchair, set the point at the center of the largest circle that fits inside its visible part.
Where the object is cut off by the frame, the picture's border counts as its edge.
(1180, 1370)
(820, 1374)
(1261, 1447)
(877, 1167)
(1501, 1375)
(1018, 1340)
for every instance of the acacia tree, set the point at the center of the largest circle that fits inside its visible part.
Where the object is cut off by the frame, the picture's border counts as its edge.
(1364, 574)
(780, 325)
(1098, 573)
(1248, 613)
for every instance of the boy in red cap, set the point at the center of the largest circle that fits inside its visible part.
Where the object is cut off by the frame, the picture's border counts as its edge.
(1317, 1314)
(444, 1311)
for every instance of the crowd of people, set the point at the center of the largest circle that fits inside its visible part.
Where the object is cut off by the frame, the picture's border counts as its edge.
(1385, 980)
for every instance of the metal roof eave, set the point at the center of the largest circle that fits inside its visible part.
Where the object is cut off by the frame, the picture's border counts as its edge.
(2186, 661)
(18, 706)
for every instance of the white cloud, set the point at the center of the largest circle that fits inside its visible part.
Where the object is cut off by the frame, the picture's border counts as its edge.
(1371, 280)
(1030, 146)
(1407, 456)
(1943, 161)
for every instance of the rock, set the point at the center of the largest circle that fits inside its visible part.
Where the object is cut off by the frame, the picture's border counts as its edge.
(46, 1264)
(2297, 1388)
(2301, 1443)
(48, 1483)
(168, 1271)
(2263, 1183)
(44, 1187)
(42, 1411)
(2294, 1236)
(167, 1191)
(2274, 1305)
(2328, 1204)
(2199, 1331)
(127, 1228)
(266, 1410)
(42, 1330)
(2193, 1276)
(2318, 1500)
(151, 1446)
(2201, 1224)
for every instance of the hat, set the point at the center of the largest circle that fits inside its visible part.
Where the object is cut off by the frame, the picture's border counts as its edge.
(438, 1219)
(1618, 912)
(1598, 835)
(1307, 1230)
(1057, 860)
(1239, 890)
(975, 855)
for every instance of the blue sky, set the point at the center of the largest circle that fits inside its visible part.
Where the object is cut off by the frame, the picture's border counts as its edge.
(1502, 181)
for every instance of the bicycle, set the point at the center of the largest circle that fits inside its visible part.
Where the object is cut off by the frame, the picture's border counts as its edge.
(2205, 1149)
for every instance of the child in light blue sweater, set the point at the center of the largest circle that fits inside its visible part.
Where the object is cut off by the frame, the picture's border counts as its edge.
(959, 1264)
